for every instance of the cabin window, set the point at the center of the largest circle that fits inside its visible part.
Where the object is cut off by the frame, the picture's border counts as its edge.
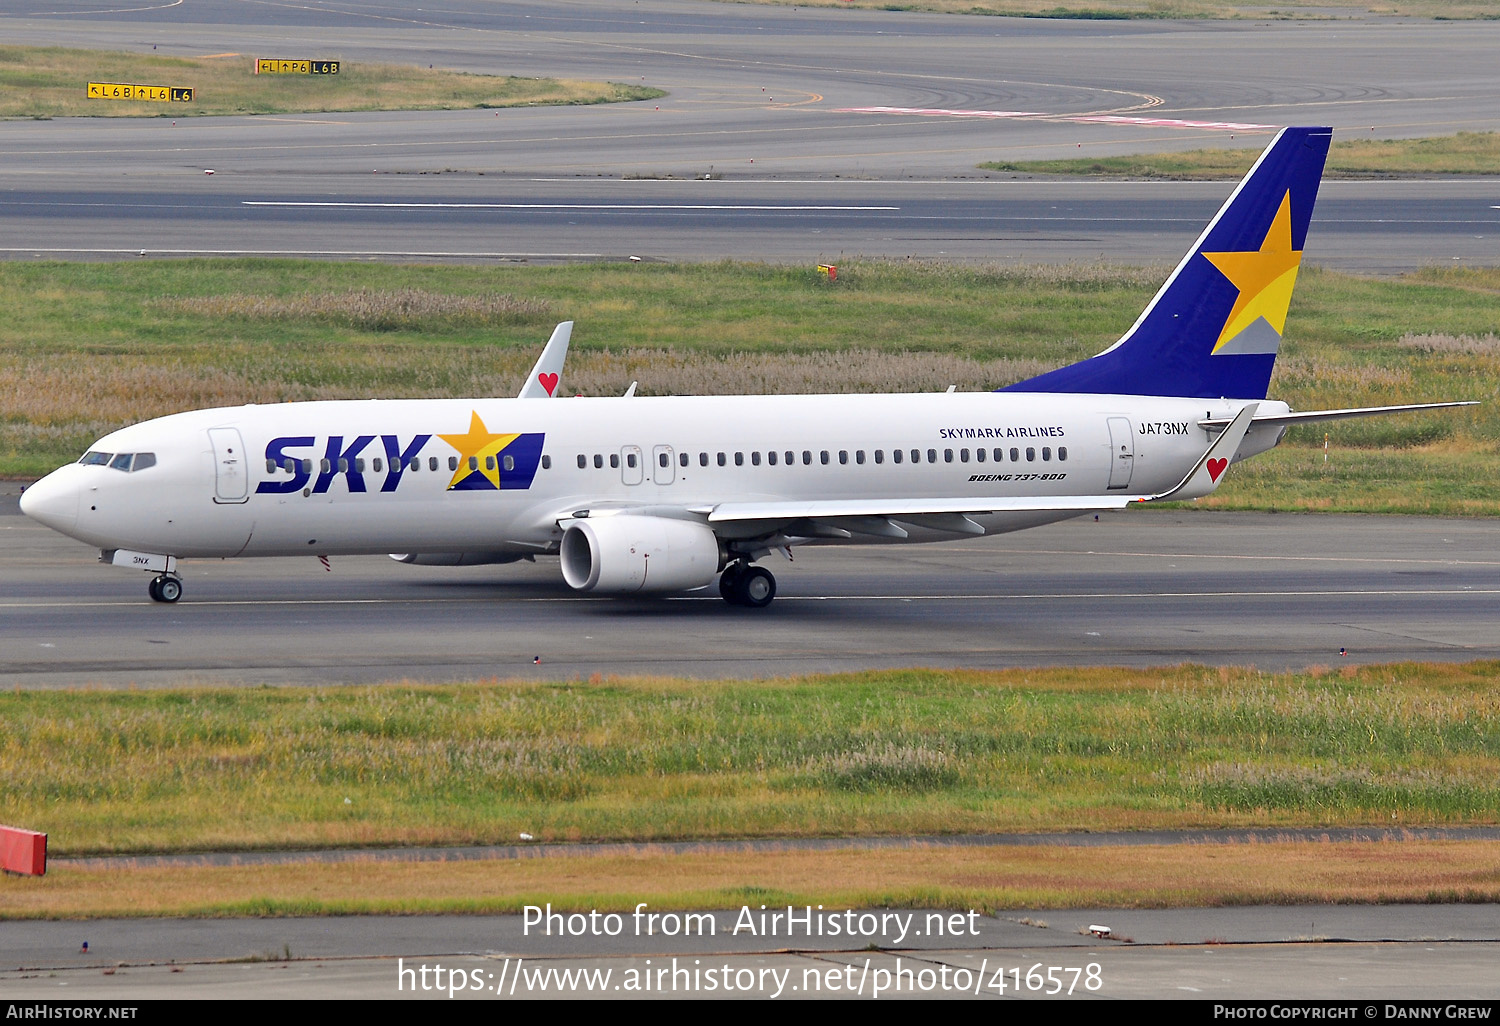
(630, 460)
(755, 459)
(879, 455)
(432, 462)
(307, 466)
(1030, 454)
(931, 455)
(947, 455)
(598, 462)
(509, 462)
(963, 455)
(1062, 453)
(359, 464)
(583, 462)
(270, 466)
(739, 459)
(843, 455)
(1046, 454)
(663, 460)
(791, 457)
(614, 461)
(325, 467)
(1015, 455)
(978, 455)
(722, 459)
(376, 464)
(452, 462)
(682, 458)
(823, 457)
(895, 455)
(703, 459)
(859, 456)
(771, 458)
(546, 463)
(806, 457)
(473, 463)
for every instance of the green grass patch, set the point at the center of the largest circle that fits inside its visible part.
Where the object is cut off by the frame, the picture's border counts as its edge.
(1467, 153)
(43, 82)
(903, 752)
(88, 348)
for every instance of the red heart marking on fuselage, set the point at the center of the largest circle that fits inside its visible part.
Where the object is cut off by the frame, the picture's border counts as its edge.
(549, 382)
(1216, 467)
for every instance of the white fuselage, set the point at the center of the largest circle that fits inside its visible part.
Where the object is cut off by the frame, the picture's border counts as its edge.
(385, 476)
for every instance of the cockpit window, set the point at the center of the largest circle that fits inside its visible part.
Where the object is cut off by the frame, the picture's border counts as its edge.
(124, 461)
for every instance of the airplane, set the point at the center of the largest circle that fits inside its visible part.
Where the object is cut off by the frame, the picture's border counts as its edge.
(639, 495)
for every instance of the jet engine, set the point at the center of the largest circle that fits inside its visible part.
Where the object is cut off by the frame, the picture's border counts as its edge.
(628, 553)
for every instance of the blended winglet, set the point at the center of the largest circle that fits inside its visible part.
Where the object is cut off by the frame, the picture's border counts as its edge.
(1209, 470)
(545, 378)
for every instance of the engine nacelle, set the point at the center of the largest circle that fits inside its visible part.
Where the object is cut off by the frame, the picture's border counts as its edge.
(626, 553)
(456, 558)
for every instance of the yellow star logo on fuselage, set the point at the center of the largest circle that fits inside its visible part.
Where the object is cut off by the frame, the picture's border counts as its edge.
(1265, 277)
(481, 445)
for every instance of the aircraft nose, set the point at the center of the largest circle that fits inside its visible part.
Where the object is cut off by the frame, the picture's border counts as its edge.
(53, 501)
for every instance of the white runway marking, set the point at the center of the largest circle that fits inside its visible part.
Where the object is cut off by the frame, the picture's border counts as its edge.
(554, 206)
(1033, 115)
(114, 10)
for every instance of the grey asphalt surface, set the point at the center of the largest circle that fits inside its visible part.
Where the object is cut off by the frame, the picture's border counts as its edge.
(761, 96)
(1362, 953)
(1141, 588)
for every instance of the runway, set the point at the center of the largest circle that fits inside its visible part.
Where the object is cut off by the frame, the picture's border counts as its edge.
(766, 102)
(1139, 589)
(1353, 953)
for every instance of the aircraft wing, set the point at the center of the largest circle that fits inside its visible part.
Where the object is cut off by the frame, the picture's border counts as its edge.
(1313, 416)
(546, 375)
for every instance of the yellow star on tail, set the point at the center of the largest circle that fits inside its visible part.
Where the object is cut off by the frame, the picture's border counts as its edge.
(1264, 277)
(482, 445)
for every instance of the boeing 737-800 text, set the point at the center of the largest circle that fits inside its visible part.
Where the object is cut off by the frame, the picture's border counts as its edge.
(665, 494)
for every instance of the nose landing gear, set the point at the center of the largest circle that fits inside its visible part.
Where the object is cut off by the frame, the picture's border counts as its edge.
(745, 585)
(165, 588)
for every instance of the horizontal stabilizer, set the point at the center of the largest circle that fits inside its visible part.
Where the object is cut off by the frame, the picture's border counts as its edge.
(1314, 416)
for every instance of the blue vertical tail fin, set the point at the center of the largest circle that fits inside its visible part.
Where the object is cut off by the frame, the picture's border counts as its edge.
(1213, 329)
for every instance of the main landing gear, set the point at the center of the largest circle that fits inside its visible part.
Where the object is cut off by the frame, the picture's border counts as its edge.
(744, 585)
(165, 588)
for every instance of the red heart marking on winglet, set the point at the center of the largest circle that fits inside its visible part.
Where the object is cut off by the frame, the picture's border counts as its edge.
(1216, 467)
(549, 382)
